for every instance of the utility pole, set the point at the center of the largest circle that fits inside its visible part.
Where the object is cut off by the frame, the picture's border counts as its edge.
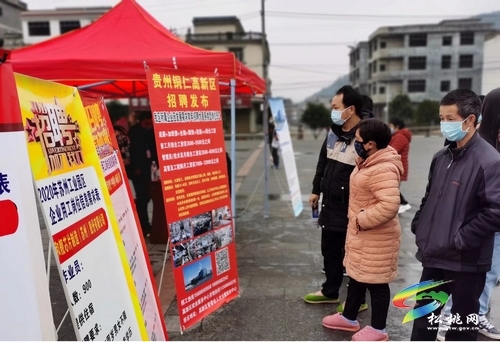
(265, 119)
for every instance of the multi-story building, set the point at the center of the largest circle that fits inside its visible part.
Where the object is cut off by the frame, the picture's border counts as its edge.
(422, 61)
(227, 34)
(11, 32)
(40, 25)
(491, 63)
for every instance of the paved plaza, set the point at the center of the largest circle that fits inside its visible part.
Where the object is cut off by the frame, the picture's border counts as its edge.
(279, 258)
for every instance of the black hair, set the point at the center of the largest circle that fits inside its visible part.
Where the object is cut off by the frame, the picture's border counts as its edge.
(481, 97)
(399, 123)
(466, 100)
(490, 126)
(145, 115)
(367, 102)
(351, 98)
(376, 131)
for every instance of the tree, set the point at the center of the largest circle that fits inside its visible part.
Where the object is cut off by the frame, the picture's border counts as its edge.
(315, 116)
(401, 107)
(427, 113)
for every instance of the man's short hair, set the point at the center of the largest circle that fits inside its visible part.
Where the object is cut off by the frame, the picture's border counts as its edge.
(367, 102)
(143, 115)
(351, 98)
(399, 123)
(466, 100)
(375, 130)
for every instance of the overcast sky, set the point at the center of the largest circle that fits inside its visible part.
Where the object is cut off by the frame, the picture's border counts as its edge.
(308, 51)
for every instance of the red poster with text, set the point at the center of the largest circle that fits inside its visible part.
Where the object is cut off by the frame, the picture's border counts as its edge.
(193, 170)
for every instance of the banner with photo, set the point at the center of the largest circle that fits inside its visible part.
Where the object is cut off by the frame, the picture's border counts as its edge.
(78, 213)
(193, 170)
(287, 154)
(118, 186)
(25, 306)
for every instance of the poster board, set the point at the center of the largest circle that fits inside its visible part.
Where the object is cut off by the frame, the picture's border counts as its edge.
(78, 213)
(287, 154)
(119, 189)
(25, 310)
(193, 170)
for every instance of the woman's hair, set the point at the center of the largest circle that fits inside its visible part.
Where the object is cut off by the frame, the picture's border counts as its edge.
(376, 131)
(490, 125)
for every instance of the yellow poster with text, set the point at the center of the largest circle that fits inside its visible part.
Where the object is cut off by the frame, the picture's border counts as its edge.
(78, 213)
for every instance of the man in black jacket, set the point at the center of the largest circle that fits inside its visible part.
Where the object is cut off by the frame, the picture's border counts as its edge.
(458, 217)
(335, 164)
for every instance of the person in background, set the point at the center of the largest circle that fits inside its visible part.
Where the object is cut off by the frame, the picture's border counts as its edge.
(401, 138)
(142, 156)
(490, 131)
(121, 128)
(367, 111)
(275, 144)
(374, 232)
(459, 214)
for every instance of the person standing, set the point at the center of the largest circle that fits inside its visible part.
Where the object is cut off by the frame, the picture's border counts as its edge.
(374, 232)
(401, 138)
(458, 217)
(142, 155)
(336, 161)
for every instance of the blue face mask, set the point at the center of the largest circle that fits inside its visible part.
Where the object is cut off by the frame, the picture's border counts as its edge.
(452, 131)
(337, 117)
(360, 150)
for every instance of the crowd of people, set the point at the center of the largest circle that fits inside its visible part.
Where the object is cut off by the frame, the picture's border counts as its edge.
(360, 168)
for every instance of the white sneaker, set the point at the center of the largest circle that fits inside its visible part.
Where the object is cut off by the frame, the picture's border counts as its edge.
(487, 329)
(403, 208)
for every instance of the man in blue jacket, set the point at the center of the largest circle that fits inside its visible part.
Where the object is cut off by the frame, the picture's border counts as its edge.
(458, 217)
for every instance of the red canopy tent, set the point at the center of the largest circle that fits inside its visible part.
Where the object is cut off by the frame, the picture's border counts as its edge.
(109, 56)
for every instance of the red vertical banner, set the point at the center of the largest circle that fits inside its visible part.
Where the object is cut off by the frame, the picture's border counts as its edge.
(193, 170)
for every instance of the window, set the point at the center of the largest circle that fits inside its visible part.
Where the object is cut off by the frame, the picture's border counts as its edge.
(381, 90)
(39, 28)
(464, 83)
(417, 63)
(375, 45)
(238, 53)
(383, 45)
(447, 40)
(416, 86)
(374, 89)
(466, 61)
(66, 26)
(382, 67)
(418, 39)
(466, 38)
(446, 62)
(445, 85)
(1, 11)
(374, 66)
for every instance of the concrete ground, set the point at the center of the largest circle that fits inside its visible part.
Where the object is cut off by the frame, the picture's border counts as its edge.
(279, 258)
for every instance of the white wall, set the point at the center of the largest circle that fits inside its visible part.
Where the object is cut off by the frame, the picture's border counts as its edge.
(491, 65)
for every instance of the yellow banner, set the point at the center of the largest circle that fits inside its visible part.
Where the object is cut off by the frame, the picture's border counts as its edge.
(78, 210)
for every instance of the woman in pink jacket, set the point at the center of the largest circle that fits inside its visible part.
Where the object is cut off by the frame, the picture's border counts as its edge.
(373, 233)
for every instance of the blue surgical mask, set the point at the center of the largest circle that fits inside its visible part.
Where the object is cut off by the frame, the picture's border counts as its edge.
(392, 130)
(452, 130)
(337, 117)
(360, 150)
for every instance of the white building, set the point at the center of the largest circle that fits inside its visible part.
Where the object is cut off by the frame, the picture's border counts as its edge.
(10, 23)
(40, 25)
(491, 64)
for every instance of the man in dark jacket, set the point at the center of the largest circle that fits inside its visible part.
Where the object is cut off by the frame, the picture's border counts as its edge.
(458, 217)
(335, 164)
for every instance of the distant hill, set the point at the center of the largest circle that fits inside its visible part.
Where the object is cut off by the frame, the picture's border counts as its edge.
(492, 17)
(327, 93)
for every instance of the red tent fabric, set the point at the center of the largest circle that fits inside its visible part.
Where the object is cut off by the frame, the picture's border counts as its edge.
(112, 51)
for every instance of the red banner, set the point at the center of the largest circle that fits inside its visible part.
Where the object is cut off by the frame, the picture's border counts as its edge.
(193, 170)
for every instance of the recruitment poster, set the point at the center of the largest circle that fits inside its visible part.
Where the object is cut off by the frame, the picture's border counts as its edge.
(118, 186)
(25, 309)
(78, 213)
(192, 160)
(286, 148)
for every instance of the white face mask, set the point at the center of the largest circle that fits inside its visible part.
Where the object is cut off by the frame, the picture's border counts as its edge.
(337, 117)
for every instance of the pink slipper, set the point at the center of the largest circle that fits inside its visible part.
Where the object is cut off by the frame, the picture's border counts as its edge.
(338, 322)
(368, 333)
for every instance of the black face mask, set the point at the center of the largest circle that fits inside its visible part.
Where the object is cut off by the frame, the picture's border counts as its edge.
(360, 150)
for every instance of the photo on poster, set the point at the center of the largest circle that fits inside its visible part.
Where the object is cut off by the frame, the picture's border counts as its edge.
(201, 246)
(180, 231)
(201, 223)
(197, 273)
(181, 254)
(221, 216)
(222, 261)
(223, 236)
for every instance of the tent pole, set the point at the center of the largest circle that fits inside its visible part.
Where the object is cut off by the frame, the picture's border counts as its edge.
(233, 148)
(91, 85)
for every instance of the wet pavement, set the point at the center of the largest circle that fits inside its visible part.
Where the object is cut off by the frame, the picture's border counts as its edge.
(279, 259)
